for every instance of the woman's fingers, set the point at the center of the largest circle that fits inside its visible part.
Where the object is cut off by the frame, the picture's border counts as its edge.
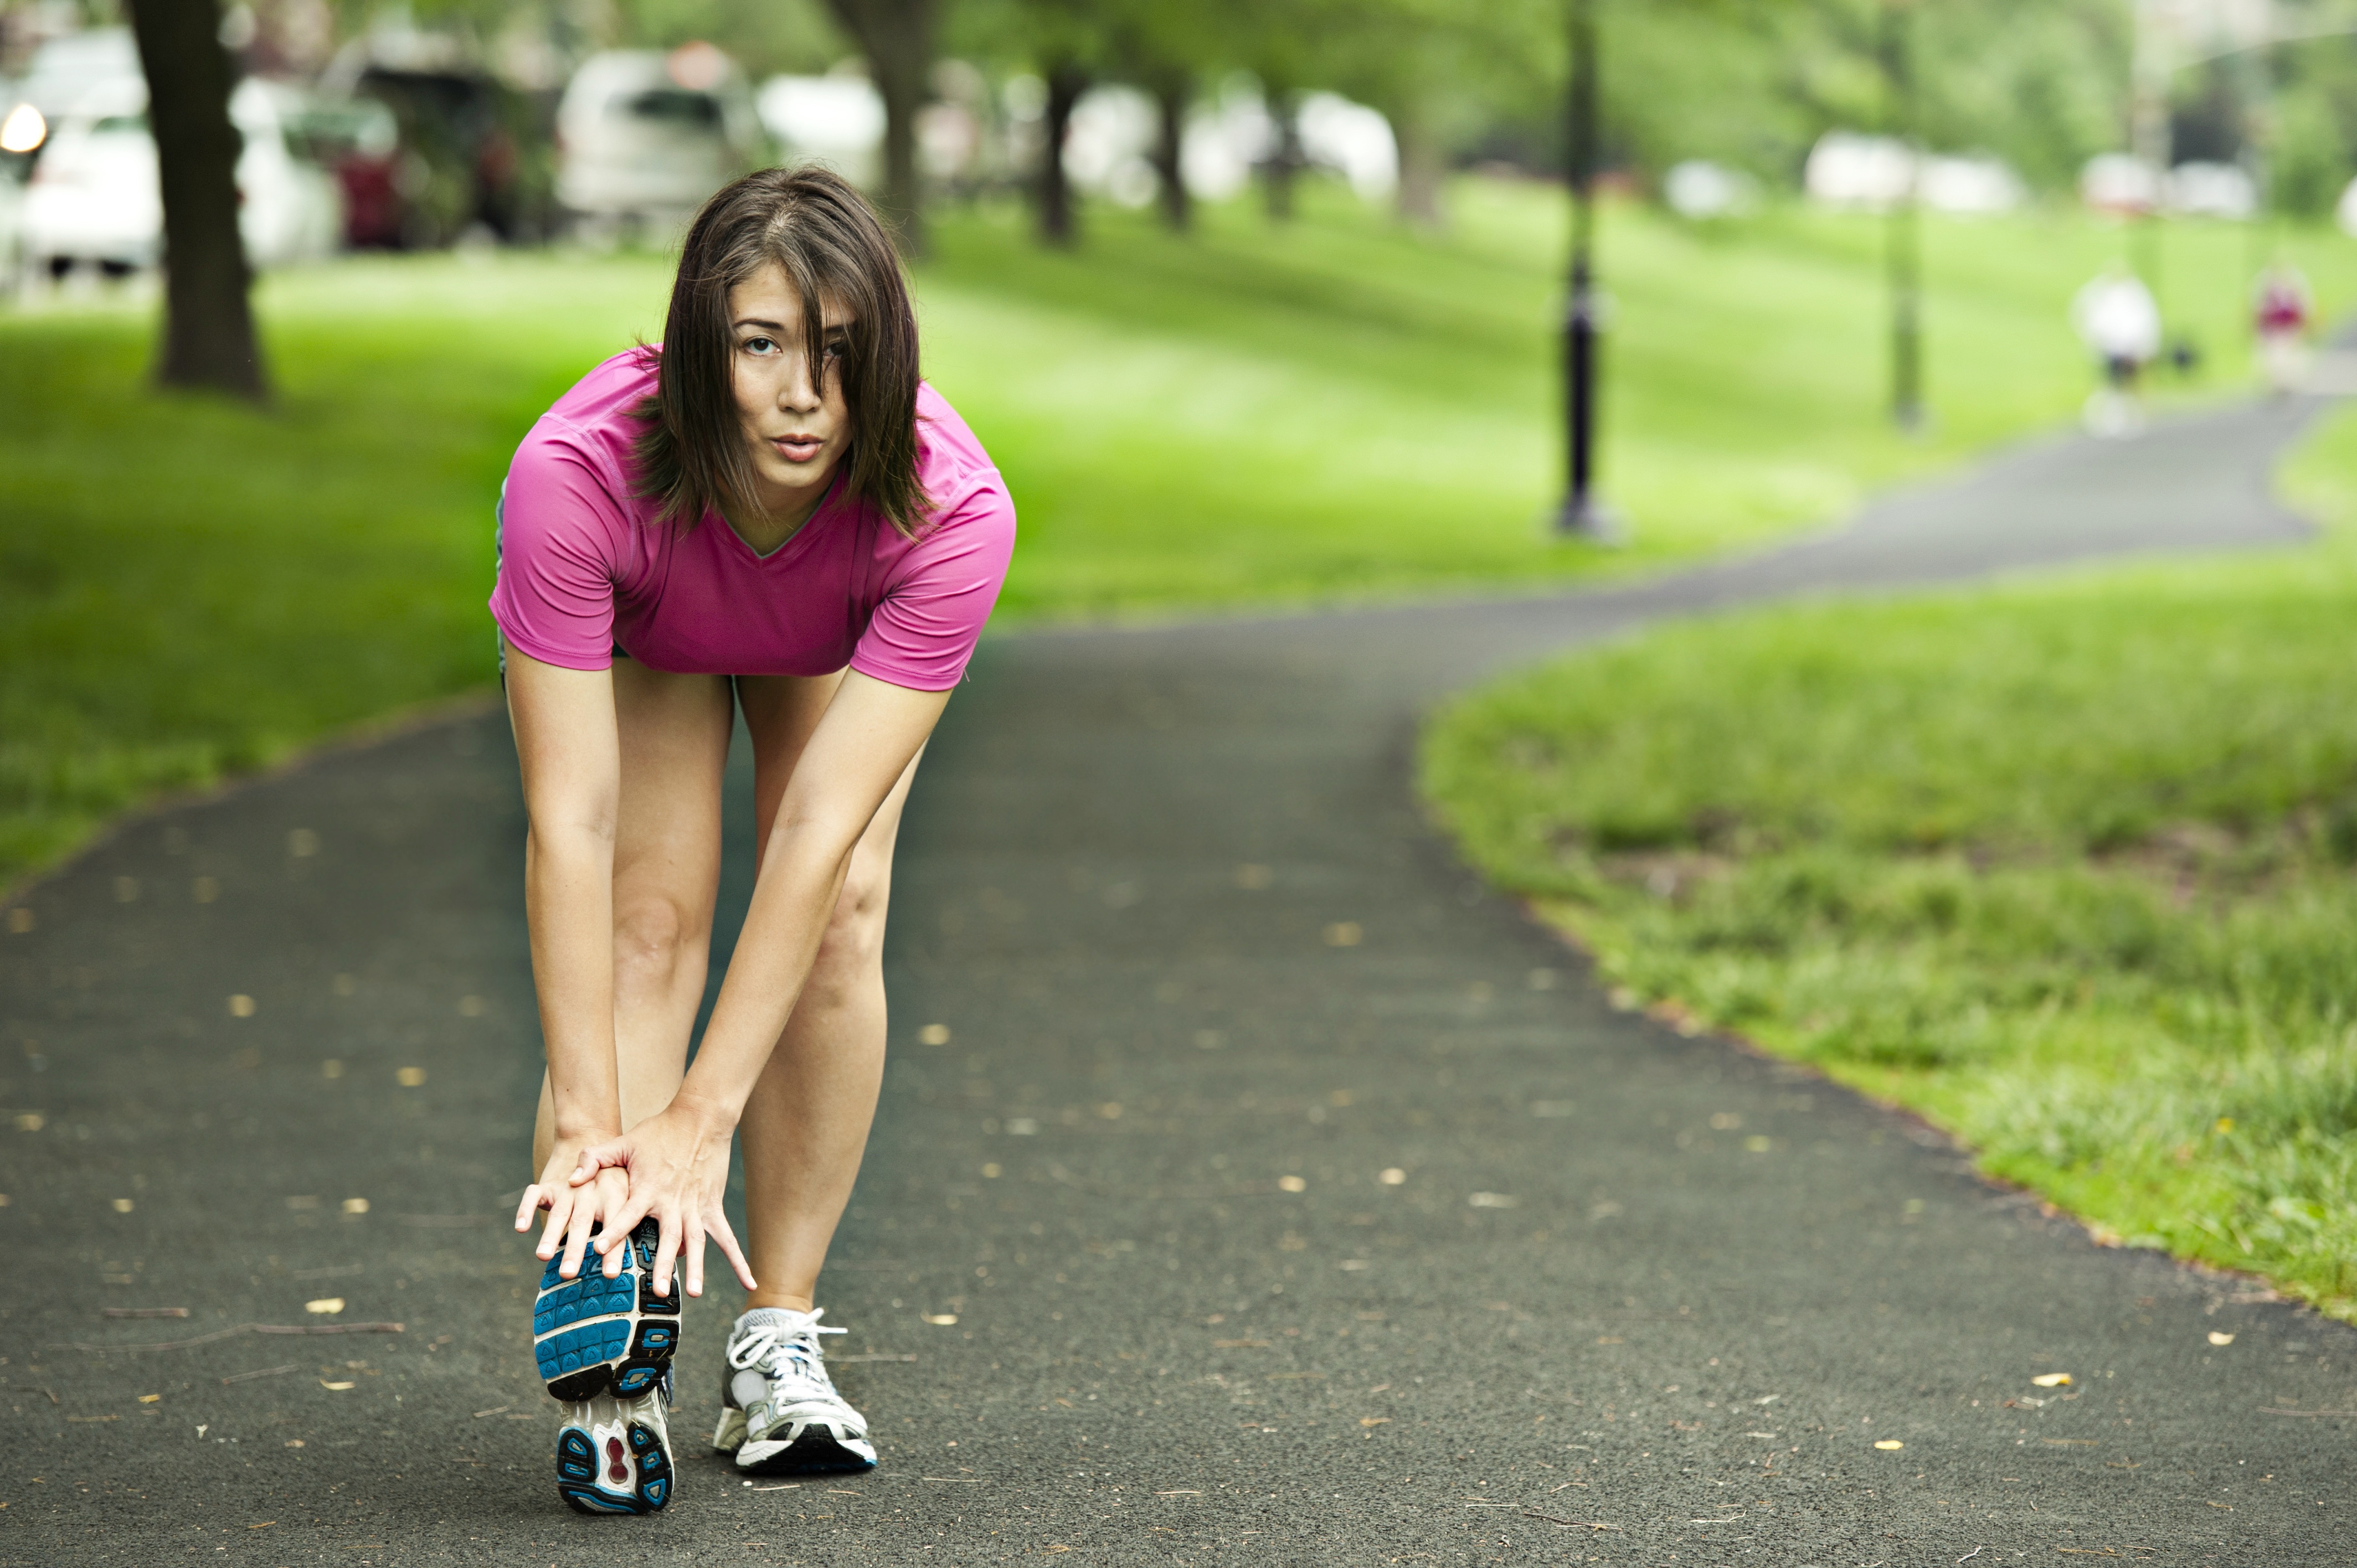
(560, 1210)
(666, 1249)
(599, 1157)
(635, 1204)
(532, 1201)
(726, 1241)
(577, 1238)
(613, 1196)
(690, 1251)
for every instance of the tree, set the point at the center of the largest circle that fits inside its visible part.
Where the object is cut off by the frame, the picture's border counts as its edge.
(897, 38)
(1058, 212)
(209, 339)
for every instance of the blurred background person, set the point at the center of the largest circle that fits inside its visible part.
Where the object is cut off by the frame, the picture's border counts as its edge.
(2282, 306)
(2118, 319)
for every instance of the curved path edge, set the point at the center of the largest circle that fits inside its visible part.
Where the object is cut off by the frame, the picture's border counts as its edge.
(1130, 1272)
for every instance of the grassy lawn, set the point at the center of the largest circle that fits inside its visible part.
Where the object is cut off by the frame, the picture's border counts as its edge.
(1336, 410)
(2071, 868)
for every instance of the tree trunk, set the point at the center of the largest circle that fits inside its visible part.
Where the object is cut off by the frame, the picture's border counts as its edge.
(208, 316)
(1422, 168)
(1058, 215)
(1170, 94)
(1285, 160)
(897, 36)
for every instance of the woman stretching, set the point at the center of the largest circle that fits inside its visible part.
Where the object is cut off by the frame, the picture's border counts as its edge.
(768, 514)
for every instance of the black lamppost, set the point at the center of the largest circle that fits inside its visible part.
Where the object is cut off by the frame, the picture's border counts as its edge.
(1903, 249)
(1581, 513)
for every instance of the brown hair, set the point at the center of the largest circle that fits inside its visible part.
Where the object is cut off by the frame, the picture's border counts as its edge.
(810, 222)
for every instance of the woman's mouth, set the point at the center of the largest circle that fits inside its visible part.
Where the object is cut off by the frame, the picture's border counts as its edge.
(798, 448)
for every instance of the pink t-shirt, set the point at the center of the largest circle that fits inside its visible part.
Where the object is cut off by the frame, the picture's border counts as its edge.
(585, 567)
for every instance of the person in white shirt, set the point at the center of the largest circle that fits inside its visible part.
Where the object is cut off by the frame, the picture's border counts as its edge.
(2118, 320)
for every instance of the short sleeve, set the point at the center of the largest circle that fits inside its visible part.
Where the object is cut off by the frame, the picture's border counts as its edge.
(924, 630)
(559, 524)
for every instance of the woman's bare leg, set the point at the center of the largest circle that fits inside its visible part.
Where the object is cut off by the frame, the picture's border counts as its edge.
(805, 1127)
(675, 747)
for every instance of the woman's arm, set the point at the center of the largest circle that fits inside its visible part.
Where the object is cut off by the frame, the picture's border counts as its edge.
(568, 746)
(678, 1159)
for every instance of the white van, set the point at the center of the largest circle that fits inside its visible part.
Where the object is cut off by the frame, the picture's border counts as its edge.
(644, 137)
(94, 198)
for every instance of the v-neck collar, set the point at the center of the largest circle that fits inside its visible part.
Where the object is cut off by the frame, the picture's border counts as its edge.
(784, 546)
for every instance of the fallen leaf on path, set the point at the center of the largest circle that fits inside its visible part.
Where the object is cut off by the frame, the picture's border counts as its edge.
(1291, 1183)
(933, 1034)
(326, 1306)
(941, 1319)
(1392, 1176)
(1889, 1442)
(149, 1399)
(1374, 1421)
(338, 1387)
(410, 1076)
(2218, 1339)
(2052, 1379)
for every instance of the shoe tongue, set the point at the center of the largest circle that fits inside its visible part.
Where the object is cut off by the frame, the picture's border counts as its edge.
(784, 1319)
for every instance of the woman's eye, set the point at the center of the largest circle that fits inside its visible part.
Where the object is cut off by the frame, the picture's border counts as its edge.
(760, 345)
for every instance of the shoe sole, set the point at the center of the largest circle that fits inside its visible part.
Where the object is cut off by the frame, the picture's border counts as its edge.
(811, 1453)
(593, 1336)
(646, 1470)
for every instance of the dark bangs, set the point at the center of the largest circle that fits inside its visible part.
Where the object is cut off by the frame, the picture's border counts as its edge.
(810, 222)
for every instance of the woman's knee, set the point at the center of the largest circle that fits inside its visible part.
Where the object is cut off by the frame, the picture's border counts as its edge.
(853, 948)
(654, 938)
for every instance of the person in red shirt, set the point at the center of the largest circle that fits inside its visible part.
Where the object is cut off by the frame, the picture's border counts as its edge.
(2281, 310)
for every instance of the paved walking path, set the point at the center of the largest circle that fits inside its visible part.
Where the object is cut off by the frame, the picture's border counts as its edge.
(1125, 1275)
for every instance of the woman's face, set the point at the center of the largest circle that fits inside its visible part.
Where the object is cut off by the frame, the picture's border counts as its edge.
(793, 414)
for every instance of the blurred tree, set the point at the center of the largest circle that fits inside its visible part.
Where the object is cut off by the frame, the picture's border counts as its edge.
(208, 338)
(897, 38)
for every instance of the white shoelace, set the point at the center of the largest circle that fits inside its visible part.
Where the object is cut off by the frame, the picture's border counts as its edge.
(789, 1356)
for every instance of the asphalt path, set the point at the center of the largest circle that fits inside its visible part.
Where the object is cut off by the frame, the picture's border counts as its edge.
(1125, 1275)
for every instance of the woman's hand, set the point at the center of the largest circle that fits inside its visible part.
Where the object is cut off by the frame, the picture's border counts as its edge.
(573, 1207)
(677, 1162)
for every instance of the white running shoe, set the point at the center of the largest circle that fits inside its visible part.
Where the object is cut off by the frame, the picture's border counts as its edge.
(780, 1413)
(613, 1455)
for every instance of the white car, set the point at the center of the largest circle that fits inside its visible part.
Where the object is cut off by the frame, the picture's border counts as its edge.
(94, 197)
(645, 137)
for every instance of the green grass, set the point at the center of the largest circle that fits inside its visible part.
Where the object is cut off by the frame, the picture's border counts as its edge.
(2069, 867)
(1338, 410)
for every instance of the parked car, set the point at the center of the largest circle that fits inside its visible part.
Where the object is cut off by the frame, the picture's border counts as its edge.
(94, 198)
(427, 147)
(64, 70)
(644, 137)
